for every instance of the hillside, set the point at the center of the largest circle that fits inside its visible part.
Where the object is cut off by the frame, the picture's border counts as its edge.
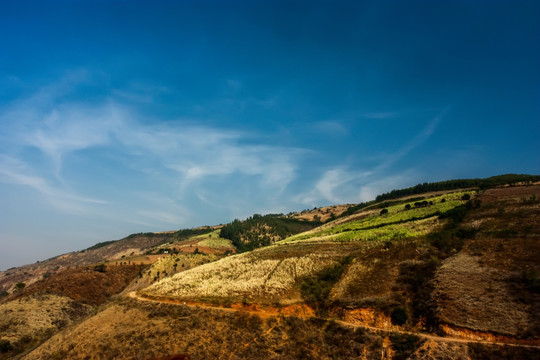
(449, 274)
(134, 248)
(257, 230)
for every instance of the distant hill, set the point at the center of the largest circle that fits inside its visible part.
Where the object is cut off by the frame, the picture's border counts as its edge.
(445, 270)
(490, 182)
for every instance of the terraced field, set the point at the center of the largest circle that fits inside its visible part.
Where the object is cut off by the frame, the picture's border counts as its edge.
(397, 223)
(275, 274)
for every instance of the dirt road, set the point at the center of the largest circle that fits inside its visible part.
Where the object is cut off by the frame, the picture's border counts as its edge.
(427, 336)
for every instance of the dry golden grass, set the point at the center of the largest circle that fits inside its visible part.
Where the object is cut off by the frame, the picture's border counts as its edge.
(128, 329)
(168, 265)
(28, 321)
(249, 276)
(321, 214)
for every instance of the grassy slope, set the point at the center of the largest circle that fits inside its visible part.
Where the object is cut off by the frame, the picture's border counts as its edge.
(394, 259)
(25, 323)
(86, 284)
(396, 262)
(130, 329)
(273, 273)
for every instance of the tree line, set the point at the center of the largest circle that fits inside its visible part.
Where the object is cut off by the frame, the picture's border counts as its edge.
(262, 230)
(459, 184)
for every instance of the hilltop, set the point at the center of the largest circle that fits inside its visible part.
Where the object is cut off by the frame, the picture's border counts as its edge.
(441, 270)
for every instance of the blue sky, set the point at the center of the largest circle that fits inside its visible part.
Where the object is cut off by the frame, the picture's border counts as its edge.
(119, 117)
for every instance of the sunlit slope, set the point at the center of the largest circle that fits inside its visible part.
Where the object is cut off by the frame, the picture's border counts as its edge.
(399, 222)
(179, 256)
(276, 273)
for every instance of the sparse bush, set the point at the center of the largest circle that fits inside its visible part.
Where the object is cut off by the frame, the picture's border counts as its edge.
(456, 214)
(316, 288)
(531, 280)
(421, 203)
(399, 316)
(479, 351)
(384, 211)
(447, 242)
(100, 268)
(5, 346)
(19, 286)
(404, 345)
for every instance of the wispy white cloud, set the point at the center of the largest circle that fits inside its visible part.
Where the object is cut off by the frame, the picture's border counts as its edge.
(331, 127)
(180, 162)
(14, 171)
(382, 115)
(344, 184)
(420, 138)
(139, 93)
(177, 152)
(392, 114)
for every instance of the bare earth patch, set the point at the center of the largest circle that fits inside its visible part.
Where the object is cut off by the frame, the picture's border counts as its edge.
(476, 297)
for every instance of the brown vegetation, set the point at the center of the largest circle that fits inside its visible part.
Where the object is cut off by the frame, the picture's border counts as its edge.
(490, 285)
(28, 321)
(130, 329)
(90, 285)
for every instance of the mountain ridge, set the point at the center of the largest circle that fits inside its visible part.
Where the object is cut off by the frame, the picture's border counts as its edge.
(407, 265)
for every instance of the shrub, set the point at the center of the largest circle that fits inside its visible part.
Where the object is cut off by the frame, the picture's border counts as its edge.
(20, 285)
(404, 345)
(399, 316)
(100, 268)
(5, 346)
(447, 242)
(466, 197)
(384, 211)
(531, 280)
(315, 289)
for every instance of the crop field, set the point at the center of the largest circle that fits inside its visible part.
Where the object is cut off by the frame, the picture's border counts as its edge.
(213, 241)
(209, 243)
(169, 265)
(397, 223)
(273, 273)
(245, 276)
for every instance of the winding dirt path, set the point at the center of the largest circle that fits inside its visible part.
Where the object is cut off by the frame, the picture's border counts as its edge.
(264, 314)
